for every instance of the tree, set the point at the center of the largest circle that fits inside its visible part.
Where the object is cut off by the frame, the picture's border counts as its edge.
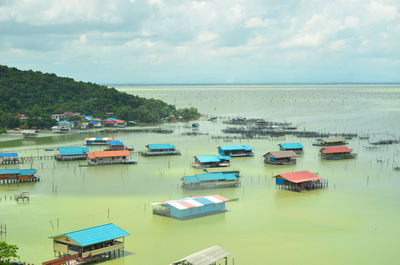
(7, 252)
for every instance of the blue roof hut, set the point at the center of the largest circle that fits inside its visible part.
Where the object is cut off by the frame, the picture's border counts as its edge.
(235, 150)
(205, 161)
(295, 147)
(212, 180)
(160, 150)
(71, 153)
(191, 207)
(9, 158)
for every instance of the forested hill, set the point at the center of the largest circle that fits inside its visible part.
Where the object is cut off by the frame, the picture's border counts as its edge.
(40, 94)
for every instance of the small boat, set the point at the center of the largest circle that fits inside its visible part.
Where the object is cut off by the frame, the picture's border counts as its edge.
(48, 149)
(195, 125)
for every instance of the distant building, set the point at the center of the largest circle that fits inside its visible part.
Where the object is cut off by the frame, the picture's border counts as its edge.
(212, 180)
(62, 127)
(295, 147)
(71, 153)
(300, 180)
(8, 176)
(205, 161)
(57, 117)
(22, 116)
(110, 158)
(160, 149)
(337, 153)
(235, 150)
(280, 158)
(330, 141)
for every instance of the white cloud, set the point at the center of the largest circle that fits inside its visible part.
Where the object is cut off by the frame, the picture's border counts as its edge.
(257, 22)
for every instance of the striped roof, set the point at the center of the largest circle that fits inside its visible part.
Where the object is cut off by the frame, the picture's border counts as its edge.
(74, 150)
(212, 158)
(115, 142)
(108, 154)
(209, 177)
(335, 150)
(291, 146)
(193, 202)
(8, 154)
(94, 139)
(235, 147)
(160, 146)
(97, 234)
(20, 172)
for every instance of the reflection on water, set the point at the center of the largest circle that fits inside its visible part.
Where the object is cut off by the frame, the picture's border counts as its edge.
(353, 221)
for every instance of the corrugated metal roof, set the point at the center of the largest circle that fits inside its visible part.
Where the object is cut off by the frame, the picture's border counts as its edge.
(210, 176)
(299, 176)
(335, 150)
(235, 147)
(97, 234)
(292, 146)
(21, 172)
(8, 154)
(160, 146)
(212, 158)
(116, 142)
(74, 150)
(205, 257)
(99, 139)
(282, 154)
(65, 122)
(193, 202)
(108, 154)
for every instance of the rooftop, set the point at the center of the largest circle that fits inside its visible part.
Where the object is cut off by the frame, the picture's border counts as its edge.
(205, 257)
(333, 139)
(193, 202)
(108, 154)
(335, 150)
(74, 150)
(235, 147)
(160, 146)
(8, 154)
(97, 234)
(93, 139)
(115, 143)
(21, 172)
(299, 176)
(212, 158)
(292, 146)
(282, 154)
(210, 176)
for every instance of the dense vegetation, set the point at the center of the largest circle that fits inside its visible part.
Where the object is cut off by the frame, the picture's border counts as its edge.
(38, 95)
(7, 253)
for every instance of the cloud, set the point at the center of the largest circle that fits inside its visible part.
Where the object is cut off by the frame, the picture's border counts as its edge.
(161, 40)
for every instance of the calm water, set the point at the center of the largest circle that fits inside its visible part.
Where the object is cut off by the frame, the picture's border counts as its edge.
(354, 221)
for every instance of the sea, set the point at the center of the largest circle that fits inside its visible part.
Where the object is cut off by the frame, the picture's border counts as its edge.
(355, 220)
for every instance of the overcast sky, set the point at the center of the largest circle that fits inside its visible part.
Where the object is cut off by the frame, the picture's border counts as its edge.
(215, 41)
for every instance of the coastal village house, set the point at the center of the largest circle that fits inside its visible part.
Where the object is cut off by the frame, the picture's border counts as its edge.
(295, 147)
(98, 141)
(330, 141)
(88, 245)
(300, 181)
(110, 157)
(336, 153)
(191, 207)
(62, 127)
(280, 158)
(9, 158)
(212, 180)
(208, 256)
(235, 150)
(71, 153)
(115, 145)
(9, 176)
(160, 149)
(205, 161)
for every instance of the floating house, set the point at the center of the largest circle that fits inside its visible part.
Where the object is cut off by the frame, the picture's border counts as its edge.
(88, 245)
(235, 150)
(98, 141)
(300, 181)
(62, 127)
(211, 161)
(9, 158)
(191, 207)
(208, 256)
(330, 141)
(8, 176)
(337, 153)
(214, 180)
(280, 158)
(160, 150)
(110, 157)
(295, 147)
(29, 133)
(71, 153)
(115, 145)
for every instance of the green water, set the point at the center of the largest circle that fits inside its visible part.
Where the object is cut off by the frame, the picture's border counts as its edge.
(353, 221)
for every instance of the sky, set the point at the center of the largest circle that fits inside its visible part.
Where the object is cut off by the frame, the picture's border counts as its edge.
(210, 41)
